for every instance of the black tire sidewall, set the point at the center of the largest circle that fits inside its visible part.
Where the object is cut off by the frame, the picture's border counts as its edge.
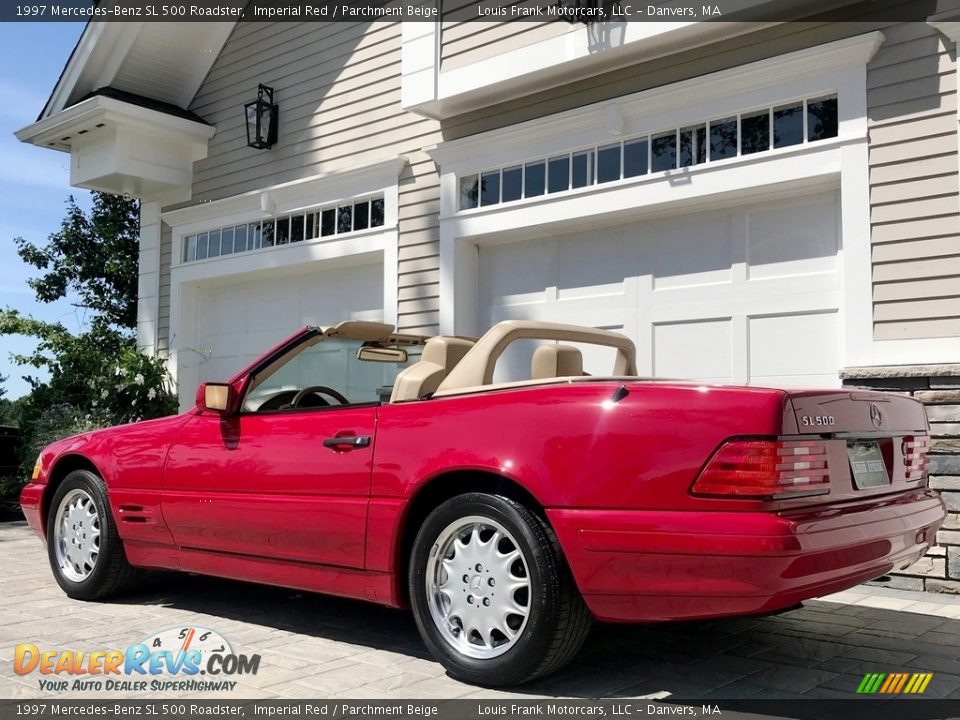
(521, 660)
(88, 588)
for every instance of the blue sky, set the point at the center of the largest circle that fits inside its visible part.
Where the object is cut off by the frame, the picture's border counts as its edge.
(34, 183)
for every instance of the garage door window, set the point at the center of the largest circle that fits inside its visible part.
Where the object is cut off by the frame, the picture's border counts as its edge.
(310, 225)
(753, 131)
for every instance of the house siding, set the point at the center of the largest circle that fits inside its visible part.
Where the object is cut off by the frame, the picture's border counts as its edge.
(338, 88)
(463, 42)
(163, 314)
(912, 105)
(912, 120)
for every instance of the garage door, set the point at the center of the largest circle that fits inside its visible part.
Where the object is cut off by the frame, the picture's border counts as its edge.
(237, 323)
(749, 294)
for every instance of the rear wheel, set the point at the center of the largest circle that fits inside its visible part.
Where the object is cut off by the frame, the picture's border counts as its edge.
(491, 593)
(85, 551)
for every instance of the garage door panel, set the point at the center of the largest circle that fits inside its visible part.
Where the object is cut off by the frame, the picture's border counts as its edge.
(701, 350)
(681, 256)
(796, 239)
(238, 322)
(519, 273)
(710, 296)
(794, 347)
(598, 267)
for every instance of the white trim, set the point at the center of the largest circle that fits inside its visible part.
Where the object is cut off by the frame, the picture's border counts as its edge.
(838, 67)
(804, 73)
(104, 47)
(434, 91)
(100, 109)
(148, 294)
(325, 188)
(359, 247)
(122, 148)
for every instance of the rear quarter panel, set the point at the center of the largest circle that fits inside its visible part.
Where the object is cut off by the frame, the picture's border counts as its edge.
(566, 444)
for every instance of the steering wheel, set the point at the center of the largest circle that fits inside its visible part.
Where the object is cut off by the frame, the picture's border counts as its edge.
(321, 389)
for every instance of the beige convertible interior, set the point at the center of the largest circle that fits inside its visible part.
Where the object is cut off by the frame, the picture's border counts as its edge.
(453, 365)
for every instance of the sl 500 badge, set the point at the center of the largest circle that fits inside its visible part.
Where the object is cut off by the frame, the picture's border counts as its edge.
(817, 420)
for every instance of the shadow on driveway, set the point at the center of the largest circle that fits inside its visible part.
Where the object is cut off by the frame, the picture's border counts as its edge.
(821, 650)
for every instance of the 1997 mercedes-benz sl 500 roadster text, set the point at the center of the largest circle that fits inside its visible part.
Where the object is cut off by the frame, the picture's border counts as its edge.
(360, 462)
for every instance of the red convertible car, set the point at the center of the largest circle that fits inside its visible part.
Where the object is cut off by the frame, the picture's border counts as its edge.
(360, 462)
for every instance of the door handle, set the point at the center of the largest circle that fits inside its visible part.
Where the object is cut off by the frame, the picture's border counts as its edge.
(344, 442)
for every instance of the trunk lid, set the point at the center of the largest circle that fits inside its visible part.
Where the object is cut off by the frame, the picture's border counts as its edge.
(876, 443)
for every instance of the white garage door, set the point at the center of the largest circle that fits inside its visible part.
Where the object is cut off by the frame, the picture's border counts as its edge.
(748, 294)
(237, 323)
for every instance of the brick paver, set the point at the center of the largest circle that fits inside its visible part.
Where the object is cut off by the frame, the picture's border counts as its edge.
(316, 646)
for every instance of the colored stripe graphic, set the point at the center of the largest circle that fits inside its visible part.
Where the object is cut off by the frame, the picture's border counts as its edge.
(894, 683)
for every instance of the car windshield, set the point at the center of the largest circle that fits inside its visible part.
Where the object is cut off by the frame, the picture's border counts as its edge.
(324, 371)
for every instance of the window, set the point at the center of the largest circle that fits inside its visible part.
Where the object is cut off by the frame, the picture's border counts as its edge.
(284, 230)
(749, 133)
(558, 174)
(324, 372)
(788, 125)
(664, 152)
(534, 179)
(756, 132)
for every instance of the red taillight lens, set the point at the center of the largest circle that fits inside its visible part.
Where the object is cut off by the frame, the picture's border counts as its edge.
(915, 451)
(766, 468)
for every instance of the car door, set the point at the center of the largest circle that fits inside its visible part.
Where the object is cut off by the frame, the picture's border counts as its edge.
(289, 476)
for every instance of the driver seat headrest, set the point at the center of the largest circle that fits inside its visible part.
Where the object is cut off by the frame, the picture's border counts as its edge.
(440, 356)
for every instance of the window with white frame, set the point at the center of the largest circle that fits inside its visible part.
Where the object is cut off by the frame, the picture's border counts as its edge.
(748, 133)
(315, 223)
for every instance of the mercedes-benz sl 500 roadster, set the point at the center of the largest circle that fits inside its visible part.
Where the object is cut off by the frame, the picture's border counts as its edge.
(508, 514)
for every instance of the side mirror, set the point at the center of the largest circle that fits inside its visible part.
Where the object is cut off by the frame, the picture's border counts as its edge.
(215, 397)
(376, 353)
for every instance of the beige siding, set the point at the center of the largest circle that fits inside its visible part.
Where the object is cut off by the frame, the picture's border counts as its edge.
(463, 42)
(915, 212)
(338, 88)
(163, 315)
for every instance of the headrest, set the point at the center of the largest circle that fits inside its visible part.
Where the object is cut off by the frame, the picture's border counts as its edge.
(445, 351)
(550, 361)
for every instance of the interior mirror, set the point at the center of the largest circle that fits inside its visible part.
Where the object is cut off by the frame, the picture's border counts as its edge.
(376, 353)
(214, 397)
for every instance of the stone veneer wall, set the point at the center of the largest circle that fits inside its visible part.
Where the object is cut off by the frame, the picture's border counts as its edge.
(938, 387)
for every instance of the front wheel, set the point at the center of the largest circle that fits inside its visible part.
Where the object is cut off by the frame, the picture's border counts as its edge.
(491, 593)
(85, 551)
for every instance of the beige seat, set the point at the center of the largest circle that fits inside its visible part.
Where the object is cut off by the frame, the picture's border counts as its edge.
(551, 361)
(440, 356)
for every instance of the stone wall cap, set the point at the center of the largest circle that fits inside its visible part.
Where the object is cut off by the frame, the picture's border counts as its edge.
(899, 371)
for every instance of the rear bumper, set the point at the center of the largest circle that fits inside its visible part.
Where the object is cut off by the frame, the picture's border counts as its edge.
(651, 565)
(31, 498)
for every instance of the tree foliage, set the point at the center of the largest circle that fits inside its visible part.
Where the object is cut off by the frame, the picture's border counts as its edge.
(94, 257)
(95, 377)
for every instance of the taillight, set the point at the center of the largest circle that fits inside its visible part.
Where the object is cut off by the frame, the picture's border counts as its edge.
(766, 469)
(915, 456)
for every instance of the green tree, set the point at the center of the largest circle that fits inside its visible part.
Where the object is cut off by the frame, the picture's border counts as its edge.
(95, 377)
(94, 257)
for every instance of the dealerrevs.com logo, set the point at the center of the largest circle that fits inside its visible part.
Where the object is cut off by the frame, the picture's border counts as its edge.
(183, 659)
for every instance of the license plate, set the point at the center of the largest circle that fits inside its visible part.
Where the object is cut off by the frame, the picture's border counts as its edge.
(866, 462)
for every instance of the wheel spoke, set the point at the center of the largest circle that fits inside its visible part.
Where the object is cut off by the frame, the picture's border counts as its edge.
(77, 535)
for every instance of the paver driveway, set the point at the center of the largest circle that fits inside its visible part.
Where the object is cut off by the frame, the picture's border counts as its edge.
(314, 646)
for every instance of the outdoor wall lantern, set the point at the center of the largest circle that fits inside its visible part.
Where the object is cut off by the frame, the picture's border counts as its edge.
(261, 117)
(582, 11)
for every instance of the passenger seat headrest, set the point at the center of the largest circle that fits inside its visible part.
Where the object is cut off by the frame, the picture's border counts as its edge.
(551, 361)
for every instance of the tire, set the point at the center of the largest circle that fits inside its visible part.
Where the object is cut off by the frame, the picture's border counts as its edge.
(86, 568)
(453, 593)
